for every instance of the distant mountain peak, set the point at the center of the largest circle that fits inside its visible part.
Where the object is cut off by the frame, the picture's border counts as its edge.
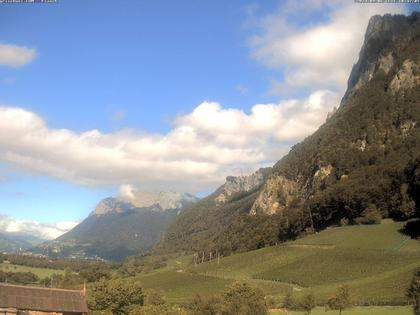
(154, 201)
(111, 204)
(165, 200)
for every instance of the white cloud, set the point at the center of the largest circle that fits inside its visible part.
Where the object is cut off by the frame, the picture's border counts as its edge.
(127, 192)
(42, 230)
(203, 147)
(16, 56)
(317, 54)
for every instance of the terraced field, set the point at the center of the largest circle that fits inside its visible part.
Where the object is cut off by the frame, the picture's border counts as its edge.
(377, 262)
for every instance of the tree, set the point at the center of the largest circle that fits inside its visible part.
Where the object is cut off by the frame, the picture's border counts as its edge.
(242, 299)
(210, 305)
(239, 299)
(414, 292)
(68, 280)
(153, 297)
(115, 295)
(371, 215)
(341, 300)
(308, 303)
(289, 302)
(92, 273)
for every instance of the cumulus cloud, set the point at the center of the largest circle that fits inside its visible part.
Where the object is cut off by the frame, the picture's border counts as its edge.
(319, 54)
(42, 230)
(203, 147)
(16, 56)
(127, 192)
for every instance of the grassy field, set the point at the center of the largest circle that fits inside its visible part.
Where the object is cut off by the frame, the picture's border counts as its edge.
(179, 285)
(382, 310)
(40, 272)
(377, 262)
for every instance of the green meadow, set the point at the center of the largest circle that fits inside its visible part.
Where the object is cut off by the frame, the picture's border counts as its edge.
(40, 272)
(376, 261)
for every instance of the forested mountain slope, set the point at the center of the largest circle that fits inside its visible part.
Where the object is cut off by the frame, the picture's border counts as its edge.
(361, 165)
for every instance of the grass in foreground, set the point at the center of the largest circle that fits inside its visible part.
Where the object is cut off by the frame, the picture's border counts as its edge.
(377, 310)
(180, 286)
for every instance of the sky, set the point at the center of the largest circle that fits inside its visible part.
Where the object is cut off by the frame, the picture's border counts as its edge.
(106, 98)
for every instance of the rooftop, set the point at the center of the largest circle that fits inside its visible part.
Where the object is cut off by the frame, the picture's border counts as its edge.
(42, 299)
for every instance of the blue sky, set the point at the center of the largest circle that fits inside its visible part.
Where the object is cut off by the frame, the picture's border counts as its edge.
(147, 59)
(107, 65)
(157, 81)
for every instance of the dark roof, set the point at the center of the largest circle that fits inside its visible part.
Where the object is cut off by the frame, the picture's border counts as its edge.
(42, 299)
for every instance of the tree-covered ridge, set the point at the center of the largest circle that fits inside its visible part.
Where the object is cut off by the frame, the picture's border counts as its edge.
(355, 169)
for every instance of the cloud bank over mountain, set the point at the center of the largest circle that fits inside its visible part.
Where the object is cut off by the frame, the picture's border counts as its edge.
(42, 230)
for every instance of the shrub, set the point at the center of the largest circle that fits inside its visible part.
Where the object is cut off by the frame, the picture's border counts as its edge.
(153, 297)
(371, 215)
(239, 299)
(117, 296)
(242, 299)
(414, 292)
(341, 300)
(308, 303)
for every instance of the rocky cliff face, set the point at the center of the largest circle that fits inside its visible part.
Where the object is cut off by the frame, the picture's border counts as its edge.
(111, 205)
(153, 201)
(382, 31)
(278, 193)
(163, 200)
(236, 184)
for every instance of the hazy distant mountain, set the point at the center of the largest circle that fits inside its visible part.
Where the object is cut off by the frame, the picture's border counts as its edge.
(353, 166)
(117, 228)
(13, 242)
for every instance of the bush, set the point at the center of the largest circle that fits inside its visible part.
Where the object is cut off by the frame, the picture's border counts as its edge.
(242, 299)
(414, 292)
(153, 297)
(289, 301)
(341, 300)
(239, 299)
(308, 303)
(118, 296)
(371, 215)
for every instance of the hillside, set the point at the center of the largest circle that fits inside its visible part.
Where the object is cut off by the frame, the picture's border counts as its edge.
(117, 229)
(354, 169)
(13, 242)
(376, 261)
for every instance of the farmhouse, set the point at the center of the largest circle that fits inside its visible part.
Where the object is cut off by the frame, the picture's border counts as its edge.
(23, 300)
